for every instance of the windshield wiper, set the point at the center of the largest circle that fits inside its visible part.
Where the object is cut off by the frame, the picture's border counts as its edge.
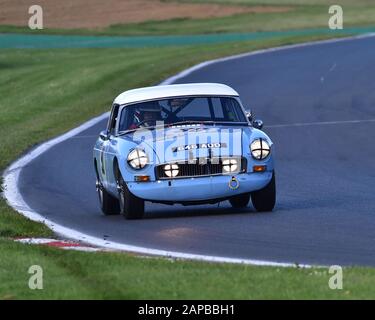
(191, 122)
(120, 133)
(232, 123)
(209, 122)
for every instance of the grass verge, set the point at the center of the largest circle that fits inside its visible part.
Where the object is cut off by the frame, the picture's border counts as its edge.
(77, 275)
(46, 92)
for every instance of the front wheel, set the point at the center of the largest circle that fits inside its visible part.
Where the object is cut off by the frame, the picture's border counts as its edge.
(131, 207)
(109, 204)
(265, 199)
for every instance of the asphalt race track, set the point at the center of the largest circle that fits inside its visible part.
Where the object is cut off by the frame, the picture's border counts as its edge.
(318, 106)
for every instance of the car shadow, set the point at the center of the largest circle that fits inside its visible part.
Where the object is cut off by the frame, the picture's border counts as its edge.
(178, 211)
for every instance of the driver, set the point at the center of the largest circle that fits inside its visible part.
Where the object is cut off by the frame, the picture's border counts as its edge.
(145, 115)
(150, 114)
(149, 118)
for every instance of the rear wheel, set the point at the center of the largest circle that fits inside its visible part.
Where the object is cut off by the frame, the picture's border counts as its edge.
(109, 204)
(265, 199)
(131, 207)
(240, 201)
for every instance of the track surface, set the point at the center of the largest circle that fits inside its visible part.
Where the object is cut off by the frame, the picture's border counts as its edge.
(325, 211)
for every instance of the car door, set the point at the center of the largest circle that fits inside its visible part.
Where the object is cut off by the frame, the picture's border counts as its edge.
(108, 151)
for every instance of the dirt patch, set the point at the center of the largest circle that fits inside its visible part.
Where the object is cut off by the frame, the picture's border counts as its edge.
(69, 14)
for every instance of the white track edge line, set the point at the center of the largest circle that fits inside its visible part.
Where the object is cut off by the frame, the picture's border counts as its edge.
(14, 198)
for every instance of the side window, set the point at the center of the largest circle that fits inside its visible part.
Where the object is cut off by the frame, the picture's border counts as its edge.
(113, 118)
(232, 110)
(128, 118)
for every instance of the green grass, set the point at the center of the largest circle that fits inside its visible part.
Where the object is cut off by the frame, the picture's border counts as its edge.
(14, 225)
(46, 92)
(76, 275)
(303, 15)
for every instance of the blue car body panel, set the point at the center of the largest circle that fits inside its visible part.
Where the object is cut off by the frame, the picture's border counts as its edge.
(184, 189)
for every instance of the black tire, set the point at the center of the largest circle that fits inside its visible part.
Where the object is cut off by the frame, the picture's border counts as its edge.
(131, 207)
(109, 204)
(240, 201)
(265, 199)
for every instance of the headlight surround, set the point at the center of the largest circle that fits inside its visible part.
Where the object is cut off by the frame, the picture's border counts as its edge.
(260, 149)
(137, 159)
(171, 170)
(230, 165)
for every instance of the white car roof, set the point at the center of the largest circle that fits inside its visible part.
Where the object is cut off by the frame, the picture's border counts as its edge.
(175, 90)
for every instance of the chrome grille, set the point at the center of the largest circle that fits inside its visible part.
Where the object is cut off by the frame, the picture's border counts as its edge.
(199, 168)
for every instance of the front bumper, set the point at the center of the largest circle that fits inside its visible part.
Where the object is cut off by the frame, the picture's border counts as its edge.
(199, 188)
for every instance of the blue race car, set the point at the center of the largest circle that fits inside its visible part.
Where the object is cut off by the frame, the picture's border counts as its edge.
(184, 143)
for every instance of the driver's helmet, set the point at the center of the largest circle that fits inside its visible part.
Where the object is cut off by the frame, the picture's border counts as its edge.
(149, 112)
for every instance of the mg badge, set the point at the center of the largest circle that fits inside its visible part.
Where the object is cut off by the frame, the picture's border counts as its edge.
(234, 183)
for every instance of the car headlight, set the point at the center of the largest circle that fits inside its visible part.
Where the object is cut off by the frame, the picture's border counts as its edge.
(171, 170)
(260, 149)
(137, 159)
(230, 165)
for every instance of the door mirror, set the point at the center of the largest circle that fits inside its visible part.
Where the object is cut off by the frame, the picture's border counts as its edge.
(258, 124)
(249, 116)
(104, 135)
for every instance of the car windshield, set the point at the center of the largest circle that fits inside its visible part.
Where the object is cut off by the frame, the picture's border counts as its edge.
(181, 110)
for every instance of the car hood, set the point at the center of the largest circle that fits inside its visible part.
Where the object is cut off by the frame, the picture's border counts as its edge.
(193, 142)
